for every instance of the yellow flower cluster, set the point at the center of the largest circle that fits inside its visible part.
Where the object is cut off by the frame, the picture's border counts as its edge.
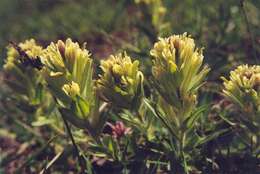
(29, 47)
(68, 71)
(72, 89)
(243, 87)
(121, 81)
(177, 69)
(23, 79)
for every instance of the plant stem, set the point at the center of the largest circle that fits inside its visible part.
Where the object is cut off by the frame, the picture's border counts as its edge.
(81, 160)
(183, 158)
(178, 162)
(242, 6)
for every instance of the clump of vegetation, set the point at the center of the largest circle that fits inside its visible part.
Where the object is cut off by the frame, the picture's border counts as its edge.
(149, 102)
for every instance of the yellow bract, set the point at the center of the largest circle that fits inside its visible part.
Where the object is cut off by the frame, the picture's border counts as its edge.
(121, 80)
(177, 70)
(243, 87)
(29, 46)
(68, 70)
(71, 89)
(23, 79)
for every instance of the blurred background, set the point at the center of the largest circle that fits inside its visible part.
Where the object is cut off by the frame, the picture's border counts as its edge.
(229, 31)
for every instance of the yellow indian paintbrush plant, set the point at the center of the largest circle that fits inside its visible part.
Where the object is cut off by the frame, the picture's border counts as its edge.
(243, 88)
(66, 64)
(177, 75)
(177, 70)
(20, 77)
(68, 72)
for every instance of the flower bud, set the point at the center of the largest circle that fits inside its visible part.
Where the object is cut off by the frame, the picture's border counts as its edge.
(61, 48)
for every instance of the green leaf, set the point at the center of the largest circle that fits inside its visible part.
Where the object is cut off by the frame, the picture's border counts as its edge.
(190, 121)
(56, 157)
(80, 107)
(83, 106)
(226, 119)
(38, 94)
(208, 138)
(192, 139)
(106, 149)
(163, 119)
(42, 120)
(112, 147)
(72, 118)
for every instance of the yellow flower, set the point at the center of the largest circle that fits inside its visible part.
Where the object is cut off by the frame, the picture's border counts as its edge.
(67, 63)
(21, 78)
(177, 70)
(121, 81)
(71, 89)
(177, 74)
(243, 87)
(29, 47)
(68, 72)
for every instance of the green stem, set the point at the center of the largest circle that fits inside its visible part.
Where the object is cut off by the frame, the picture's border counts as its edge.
(182, 153)
(81, 160)
(178, 162)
